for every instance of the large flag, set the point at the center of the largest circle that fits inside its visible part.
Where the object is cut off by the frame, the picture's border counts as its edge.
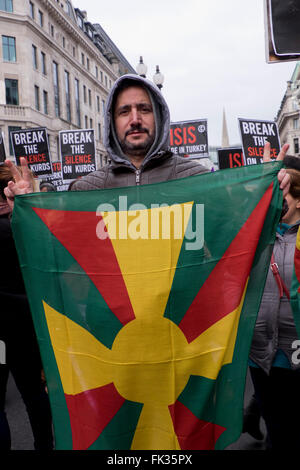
(144, 300)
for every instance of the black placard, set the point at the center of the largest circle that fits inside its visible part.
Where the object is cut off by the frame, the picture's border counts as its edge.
(189, 138)
(77, 150)
(56, 177)
(282, 19)
(254, 135)
(230, 158)
(33, 145)
(2, 148)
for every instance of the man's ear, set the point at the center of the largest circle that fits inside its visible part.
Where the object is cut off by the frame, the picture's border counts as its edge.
(298, 204)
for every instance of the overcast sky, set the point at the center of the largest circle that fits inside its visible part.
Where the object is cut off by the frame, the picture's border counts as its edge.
(211, 52)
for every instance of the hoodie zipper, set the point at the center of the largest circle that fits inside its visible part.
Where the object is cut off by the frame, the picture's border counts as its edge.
(138, 177)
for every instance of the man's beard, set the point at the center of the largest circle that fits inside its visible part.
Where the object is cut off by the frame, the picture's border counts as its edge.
(138, 148)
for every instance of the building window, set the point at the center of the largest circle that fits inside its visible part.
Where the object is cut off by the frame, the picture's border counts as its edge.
(34, 57)
(68, 96)
(90, 33)
(91, 123)
(77, 102)
(84, 93)
(6, 5)
(9, 48)
(45, 101)
(82, 58)
(296, 124)
(99, 131)
(52, 30)
(69, 9)
(296, 145)
(96, 71)
(56, 89)
(64, 42)
(295, 106)
(80, 22)
(90, 98)
(12, 91)
(37, 97)
(98, 104)
(88, 63)
(86, 121)
(31, 10)
(43, 60)
(41, 18)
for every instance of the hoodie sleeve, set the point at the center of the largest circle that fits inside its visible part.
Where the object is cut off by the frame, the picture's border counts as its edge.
(93, 181)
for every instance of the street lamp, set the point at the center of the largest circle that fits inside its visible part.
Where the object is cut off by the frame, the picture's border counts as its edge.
(158, 78)
(141, 68)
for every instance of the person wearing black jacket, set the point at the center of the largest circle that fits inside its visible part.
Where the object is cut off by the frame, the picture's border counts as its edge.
(17, 337)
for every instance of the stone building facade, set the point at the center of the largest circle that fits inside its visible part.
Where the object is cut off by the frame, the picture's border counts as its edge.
(288, 116)
(56, 70)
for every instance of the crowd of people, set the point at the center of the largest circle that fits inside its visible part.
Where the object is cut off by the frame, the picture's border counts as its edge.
(137, 141)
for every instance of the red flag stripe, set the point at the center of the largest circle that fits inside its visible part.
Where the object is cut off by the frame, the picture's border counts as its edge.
(90, 413)
(193, 433)
(76, 231)
(222, 292)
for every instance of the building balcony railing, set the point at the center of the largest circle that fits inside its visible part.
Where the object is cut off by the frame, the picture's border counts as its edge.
(7, 110)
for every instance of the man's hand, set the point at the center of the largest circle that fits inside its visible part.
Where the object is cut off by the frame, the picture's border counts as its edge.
(283, 177)
(22, 183)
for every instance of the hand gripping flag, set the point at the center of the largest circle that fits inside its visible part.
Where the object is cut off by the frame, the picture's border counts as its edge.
(144, 301)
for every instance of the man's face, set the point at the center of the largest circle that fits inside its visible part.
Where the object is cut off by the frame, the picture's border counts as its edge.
(134, 121)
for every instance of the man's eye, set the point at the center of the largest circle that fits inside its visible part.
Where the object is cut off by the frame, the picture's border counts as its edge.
(146, 109)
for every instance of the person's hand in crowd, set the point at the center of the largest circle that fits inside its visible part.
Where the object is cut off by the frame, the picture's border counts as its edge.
(283, 177)
(22, 183)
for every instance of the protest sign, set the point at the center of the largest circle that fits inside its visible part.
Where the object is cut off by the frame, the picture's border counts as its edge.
(56, 177)
(282, 30)
(33, 145)
(230, 157)
(254, 135)
(189, 138)
(2, 148)
(77, 150)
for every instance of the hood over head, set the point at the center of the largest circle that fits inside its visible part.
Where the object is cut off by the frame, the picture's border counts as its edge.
(161, 115)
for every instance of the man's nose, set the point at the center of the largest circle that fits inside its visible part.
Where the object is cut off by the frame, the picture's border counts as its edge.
(135, 116)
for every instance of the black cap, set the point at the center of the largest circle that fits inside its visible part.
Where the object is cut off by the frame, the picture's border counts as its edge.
(292, 162)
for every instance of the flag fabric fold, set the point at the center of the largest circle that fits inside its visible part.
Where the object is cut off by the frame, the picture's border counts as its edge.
(144, 301)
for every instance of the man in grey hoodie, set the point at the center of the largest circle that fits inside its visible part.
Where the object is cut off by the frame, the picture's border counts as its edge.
(137, 139)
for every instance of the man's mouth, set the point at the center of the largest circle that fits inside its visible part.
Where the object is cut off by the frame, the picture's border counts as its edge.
(136, 132)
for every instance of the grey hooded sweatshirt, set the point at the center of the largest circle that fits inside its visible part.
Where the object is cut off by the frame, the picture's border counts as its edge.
(158, 165)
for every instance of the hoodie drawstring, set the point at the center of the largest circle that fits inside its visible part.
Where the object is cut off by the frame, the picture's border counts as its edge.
(138, 177)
